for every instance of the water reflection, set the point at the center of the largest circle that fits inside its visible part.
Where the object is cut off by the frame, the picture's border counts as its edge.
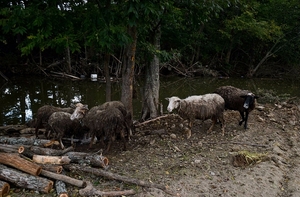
(21, 97)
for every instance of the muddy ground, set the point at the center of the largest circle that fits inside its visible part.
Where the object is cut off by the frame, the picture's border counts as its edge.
(206, 164)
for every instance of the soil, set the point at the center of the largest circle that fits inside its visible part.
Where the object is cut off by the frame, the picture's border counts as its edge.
(209, 164)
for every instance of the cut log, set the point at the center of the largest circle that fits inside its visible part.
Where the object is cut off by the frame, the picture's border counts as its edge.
(52, 168)
(109, 175)
(89, 190)
(93, 159)
(7, 148)
(23, 141)
(47, 151)
(12, 128)
(45, 159)
(4, 188)
(14, 160)
(25, 180)
(64, 178)
(61, 189)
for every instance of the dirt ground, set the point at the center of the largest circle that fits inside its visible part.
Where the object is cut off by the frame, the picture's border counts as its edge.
(209, 164)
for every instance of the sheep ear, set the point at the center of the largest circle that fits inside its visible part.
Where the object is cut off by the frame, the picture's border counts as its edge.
(72, 106)
(86, 107)
(167, 98)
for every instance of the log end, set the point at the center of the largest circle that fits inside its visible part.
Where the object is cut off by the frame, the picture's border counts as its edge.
(63, 195)
(4, 190)
(49, 187)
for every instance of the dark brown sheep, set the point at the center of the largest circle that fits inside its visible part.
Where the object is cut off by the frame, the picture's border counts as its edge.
(203, 107)
(44, 112)
(238, 100)
(60, 124)
(107, 121)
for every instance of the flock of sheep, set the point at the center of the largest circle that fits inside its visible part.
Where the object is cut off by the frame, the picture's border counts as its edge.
(111, 119)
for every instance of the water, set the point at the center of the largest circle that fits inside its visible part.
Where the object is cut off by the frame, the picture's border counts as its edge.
(21, 97)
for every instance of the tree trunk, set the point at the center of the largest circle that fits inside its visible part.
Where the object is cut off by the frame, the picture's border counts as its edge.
(95, 160)
(61, 189)
(16, 161)
(151, 89)
(25, 180)
(128, 70)
(107, 77)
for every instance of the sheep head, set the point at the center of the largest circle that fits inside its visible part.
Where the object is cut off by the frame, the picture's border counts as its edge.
(173, 103)
(249, 99)
(79, 112)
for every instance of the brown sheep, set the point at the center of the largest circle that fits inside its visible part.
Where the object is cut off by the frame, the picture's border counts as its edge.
(62, 123)
(239, 100)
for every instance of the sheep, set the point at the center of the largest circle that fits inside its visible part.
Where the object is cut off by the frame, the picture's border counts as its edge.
(238, 100)
(44, 112)
(107, 120)
(61, 124)
(203, 107)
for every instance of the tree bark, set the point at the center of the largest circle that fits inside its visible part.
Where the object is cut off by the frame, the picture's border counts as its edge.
(107, 77)
(61, 189)
(128, 71)
(95, 160)
(11, 148)
(151, 88)
(23, 141)
(47, 151)
(4, 188)
(25, 180)
(24, 165)
(52, 168)
(64, 178)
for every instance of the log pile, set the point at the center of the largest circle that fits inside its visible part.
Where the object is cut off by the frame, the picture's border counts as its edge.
(26, 163)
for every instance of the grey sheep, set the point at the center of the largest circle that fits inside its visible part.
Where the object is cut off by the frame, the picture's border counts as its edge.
(43, 114)
(60, 124)
(203, 107)
(239, 100)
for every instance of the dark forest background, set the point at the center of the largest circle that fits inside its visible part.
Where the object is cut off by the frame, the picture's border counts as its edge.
(257, 38)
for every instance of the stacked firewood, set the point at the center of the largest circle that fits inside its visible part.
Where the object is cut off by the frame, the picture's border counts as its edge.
(27, 162)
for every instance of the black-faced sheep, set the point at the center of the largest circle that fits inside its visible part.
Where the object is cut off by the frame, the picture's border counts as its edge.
(208, 106)
(44, 112)
(60, 124)
(239, 100)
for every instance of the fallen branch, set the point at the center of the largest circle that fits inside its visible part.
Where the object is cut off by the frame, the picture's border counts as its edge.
(23, 141)
(65, 75)
(113, 176)
(25, 180)
(16, 161)
(64, 178)
(48, 151)
(89, 190)
(4, 77)
(11, 148)
(52, 168)
(4, 188)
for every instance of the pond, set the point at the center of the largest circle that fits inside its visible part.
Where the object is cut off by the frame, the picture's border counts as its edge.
(22, 96)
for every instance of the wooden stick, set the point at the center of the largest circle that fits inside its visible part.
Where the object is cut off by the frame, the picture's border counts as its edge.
(16, 161)
(64, 178)
(25, 180)
(23, 141)
(99, 172)
(4, 77)
(52, 168)
(4, 188)
(61, 189)
(91, 191)
(45, 159)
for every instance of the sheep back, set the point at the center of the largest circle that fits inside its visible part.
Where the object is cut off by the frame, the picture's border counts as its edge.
(203, 107)
(235, 98)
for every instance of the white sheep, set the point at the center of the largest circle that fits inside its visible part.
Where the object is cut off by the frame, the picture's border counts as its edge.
(203, 107)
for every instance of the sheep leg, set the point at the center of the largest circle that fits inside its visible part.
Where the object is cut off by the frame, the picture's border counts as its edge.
(61, 144)
(214, 120)
(92, 140)
(243, 118)
(124, 140)
(246, 120)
